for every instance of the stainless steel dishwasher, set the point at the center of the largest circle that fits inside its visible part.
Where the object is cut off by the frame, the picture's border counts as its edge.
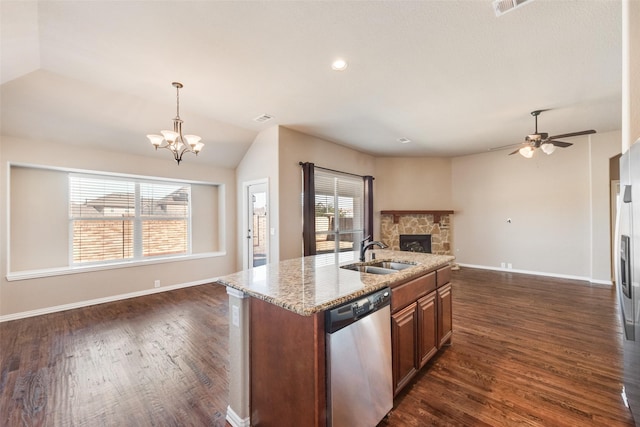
(359, 379)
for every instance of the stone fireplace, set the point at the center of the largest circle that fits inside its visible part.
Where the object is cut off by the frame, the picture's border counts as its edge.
(417, 224)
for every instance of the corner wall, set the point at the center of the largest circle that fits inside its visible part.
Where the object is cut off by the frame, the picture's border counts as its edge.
(260, 162)
(297, 147)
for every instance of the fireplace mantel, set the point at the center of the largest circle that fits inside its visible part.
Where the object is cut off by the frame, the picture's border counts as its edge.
(397, 214)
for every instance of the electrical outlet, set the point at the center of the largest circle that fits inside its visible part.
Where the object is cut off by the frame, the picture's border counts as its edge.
(509, 266)
(503, 265)
(156, 283)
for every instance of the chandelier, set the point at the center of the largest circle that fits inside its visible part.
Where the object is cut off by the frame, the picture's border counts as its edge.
(173, 140)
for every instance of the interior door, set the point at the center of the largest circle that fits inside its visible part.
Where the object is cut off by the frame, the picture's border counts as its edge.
(257, 226)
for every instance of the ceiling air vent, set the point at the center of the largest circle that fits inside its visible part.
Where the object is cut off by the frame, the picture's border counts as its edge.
(263, 118)
(503, 6)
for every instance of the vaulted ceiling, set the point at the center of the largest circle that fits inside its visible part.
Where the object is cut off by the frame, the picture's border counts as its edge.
(448, 75)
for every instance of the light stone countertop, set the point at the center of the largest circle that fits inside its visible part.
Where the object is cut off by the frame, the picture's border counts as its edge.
(316, 283)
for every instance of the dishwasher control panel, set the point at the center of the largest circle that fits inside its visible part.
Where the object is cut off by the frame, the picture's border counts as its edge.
(339, 317)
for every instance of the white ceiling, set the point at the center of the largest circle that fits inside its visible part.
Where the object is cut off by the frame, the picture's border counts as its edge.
(448, 75)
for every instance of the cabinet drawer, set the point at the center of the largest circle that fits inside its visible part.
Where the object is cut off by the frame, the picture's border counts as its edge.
(409, 292)
(443, 276)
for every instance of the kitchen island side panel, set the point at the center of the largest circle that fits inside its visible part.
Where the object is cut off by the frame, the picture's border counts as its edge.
(288, 383)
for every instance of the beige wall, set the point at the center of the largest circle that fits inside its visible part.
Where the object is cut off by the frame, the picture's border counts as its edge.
(404, 183)
(603, 146)
(260, 162)
(297, 147)
(39, 226)
(72, 289)
(558, 206)
(428, 180)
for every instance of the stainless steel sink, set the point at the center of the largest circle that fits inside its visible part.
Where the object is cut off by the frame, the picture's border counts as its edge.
(380, 267)
(393, 265)
(371, 269)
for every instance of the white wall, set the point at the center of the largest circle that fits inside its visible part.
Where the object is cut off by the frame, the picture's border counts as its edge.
(558, 206)
(39, 294)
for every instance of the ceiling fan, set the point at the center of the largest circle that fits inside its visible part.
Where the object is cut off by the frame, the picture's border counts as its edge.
(542, 140)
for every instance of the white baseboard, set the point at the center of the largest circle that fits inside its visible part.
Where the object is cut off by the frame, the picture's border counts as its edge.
(538, 273)
(80, 304)
(235, 420)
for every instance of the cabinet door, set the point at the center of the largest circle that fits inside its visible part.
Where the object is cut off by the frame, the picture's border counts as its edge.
(403, 336)
(427, 328)
(445, 321)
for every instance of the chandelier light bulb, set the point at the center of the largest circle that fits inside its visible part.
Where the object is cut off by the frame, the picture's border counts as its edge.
(192, 140)
(170, 135)
(156, 140)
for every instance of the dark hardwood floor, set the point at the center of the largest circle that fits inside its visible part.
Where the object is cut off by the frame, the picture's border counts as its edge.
(526, 350)
(157, 360)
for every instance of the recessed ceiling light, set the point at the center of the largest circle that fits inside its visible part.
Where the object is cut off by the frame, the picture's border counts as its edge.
(339, 65)
(404, 140)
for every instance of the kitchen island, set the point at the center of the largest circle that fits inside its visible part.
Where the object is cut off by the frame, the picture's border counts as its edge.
(277, 340)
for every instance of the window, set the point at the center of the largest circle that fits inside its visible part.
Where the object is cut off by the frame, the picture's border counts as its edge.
(338, 212)
(116, 219)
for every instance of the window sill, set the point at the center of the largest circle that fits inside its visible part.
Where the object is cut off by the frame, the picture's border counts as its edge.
(61, 271)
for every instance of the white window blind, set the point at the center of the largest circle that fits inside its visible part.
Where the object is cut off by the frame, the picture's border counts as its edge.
(125, 219)
(339, 211)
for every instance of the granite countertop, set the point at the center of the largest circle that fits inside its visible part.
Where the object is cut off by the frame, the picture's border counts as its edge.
(316, 283)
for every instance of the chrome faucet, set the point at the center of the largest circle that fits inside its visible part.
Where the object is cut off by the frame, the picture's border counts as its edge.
(364, 247)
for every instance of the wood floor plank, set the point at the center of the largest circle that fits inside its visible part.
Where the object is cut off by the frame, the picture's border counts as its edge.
(526, 351)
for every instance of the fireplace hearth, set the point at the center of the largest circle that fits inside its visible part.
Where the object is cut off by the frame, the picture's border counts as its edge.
(415, 243)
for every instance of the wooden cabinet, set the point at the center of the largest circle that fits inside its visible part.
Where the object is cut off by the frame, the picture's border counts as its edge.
(404, 325)
(445, 321)
(428, 328)
(421, 323)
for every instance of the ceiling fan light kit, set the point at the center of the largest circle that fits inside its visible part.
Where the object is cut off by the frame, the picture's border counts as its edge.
(173, 140)
(542, 140)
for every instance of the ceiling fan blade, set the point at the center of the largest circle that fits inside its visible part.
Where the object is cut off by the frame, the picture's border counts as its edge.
(568, 135)
(560, 143)
(514, 152)
(503, 147)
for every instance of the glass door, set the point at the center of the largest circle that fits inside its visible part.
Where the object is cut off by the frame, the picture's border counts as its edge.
(257, 231)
